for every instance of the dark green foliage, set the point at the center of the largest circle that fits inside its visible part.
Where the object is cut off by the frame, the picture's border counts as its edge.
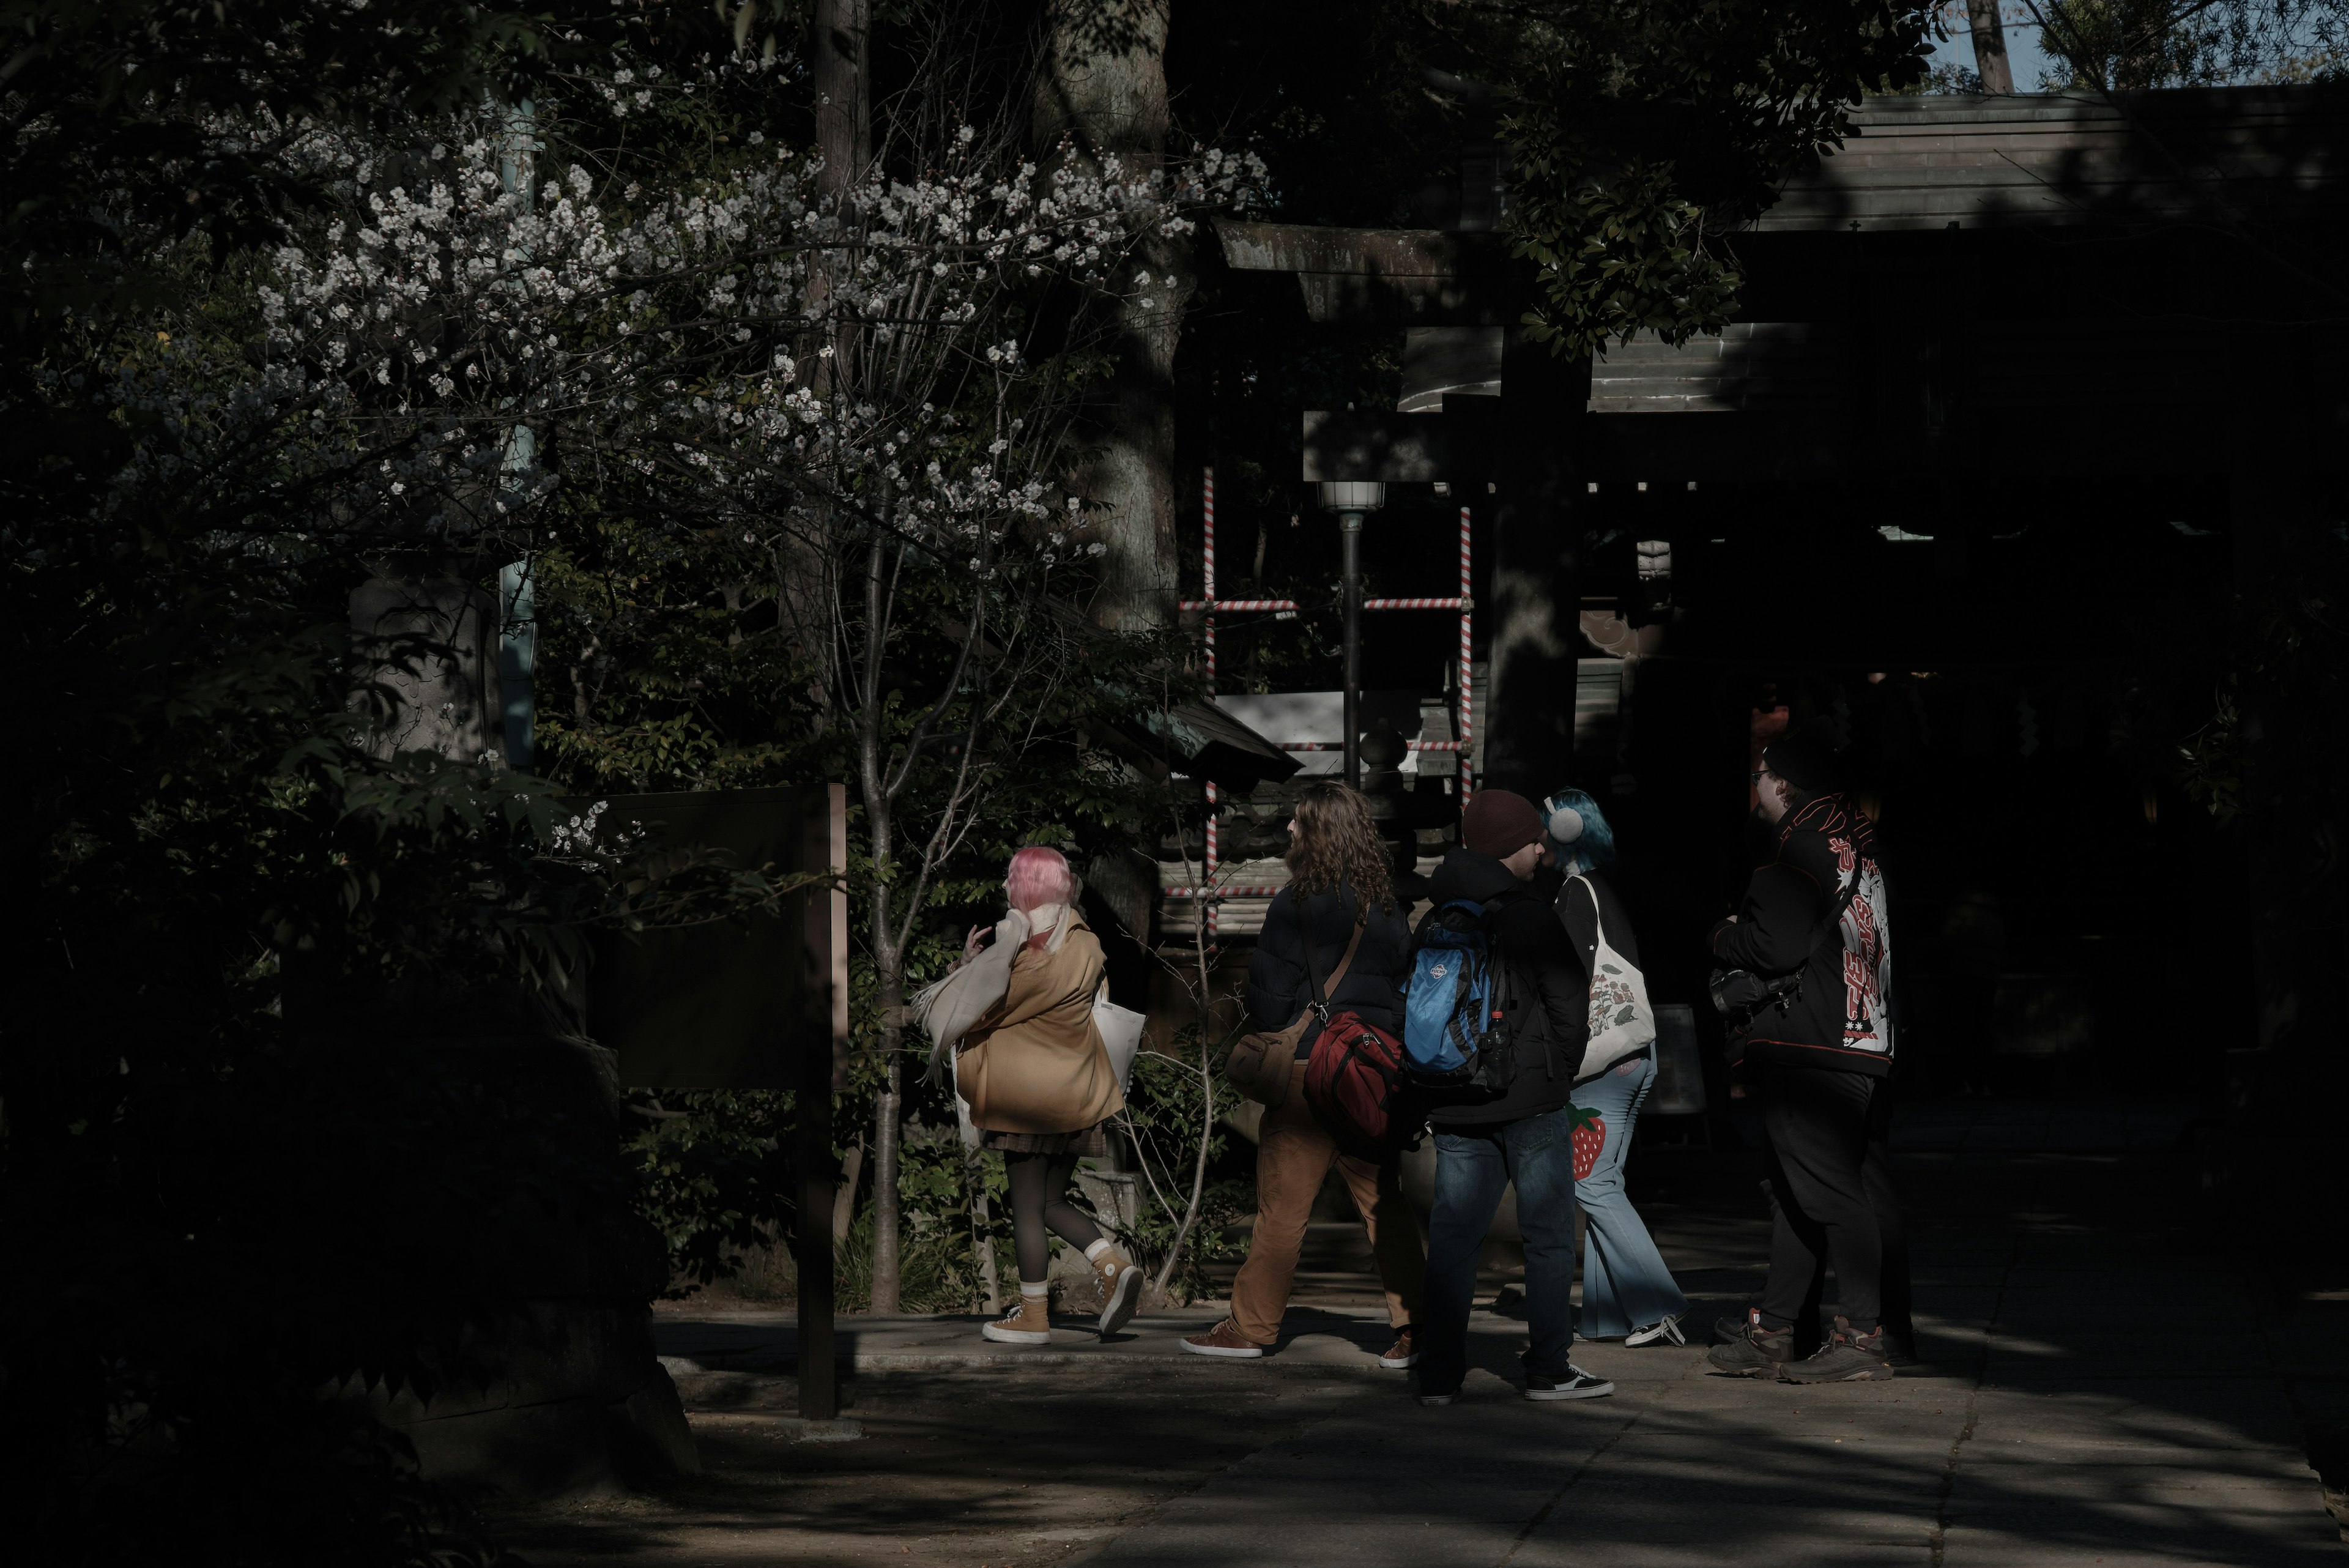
(713, 1176)
(938, 1186)
(233, 1176)
(1166, 1119)
(1644, 133)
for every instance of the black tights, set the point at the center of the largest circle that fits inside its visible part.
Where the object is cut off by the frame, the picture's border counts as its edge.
(1039, 1188)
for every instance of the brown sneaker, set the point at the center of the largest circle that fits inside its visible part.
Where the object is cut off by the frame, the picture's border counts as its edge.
(1027, 1324)
(1404, 1351)
(1224, 1340)
(1121, 1288)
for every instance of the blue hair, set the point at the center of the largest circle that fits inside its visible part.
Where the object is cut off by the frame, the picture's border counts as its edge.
(1594, 846)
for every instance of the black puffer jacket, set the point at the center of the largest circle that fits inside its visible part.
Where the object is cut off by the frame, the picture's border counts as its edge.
(1278, 989)
(1839, 1016)
(1546, 990)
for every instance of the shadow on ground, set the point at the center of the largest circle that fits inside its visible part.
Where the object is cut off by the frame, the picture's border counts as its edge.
(2108, 1380)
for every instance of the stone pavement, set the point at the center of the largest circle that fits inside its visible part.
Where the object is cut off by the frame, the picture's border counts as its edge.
(2107, 1382)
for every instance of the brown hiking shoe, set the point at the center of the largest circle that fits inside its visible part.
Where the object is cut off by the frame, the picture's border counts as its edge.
(1025, 1323)
(1845, 1357)
(1224, 1340)
(1121, 1288)
(1754, 1351)
(1405, 1353)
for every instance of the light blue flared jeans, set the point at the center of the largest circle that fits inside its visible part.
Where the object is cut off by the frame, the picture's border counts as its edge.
(1625, 1285)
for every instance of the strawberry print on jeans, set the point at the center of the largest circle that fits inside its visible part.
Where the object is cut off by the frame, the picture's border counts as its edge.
(1589, 1136)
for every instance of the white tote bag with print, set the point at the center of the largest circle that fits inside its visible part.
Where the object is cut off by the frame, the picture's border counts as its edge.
(1622, 1025)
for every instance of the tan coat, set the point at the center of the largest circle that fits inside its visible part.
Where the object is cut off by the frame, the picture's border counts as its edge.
(1035, 1063)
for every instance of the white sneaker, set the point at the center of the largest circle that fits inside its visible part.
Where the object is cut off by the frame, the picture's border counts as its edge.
(1668, 1327)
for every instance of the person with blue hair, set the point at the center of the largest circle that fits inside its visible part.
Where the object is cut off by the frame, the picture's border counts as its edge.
(1628, 1294)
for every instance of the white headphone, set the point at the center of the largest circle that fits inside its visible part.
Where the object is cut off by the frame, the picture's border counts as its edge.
(1565, 824)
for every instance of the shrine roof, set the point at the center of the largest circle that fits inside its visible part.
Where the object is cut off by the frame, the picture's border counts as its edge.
(2031, 160)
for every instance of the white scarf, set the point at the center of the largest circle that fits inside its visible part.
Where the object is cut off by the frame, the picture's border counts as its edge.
(948, 1007)
(1052, 918)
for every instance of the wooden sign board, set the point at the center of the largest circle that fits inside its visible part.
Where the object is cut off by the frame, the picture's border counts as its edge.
(735, 1004)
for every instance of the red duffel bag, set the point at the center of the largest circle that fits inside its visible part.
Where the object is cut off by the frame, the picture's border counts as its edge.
(1354, 1082)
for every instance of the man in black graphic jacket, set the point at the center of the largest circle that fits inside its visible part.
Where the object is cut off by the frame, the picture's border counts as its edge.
(1821, 1055)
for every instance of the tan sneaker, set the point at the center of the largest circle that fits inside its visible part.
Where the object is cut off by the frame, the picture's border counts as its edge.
(1224, 1340)
(1121, 1287)
(1027, 1324)
(1404, 1354)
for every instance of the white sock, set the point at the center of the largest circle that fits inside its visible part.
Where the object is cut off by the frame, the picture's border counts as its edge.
(1042, 1288)
(1094, 1252)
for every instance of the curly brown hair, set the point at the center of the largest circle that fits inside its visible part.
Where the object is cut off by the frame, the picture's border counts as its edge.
(1336, 841)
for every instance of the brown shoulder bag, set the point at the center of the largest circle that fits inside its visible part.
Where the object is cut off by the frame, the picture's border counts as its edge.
(1259, 1065)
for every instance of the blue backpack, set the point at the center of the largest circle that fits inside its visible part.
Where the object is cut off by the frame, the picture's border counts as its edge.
(1455, 1040)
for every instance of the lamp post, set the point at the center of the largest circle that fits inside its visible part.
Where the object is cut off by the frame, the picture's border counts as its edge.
(1352, 500)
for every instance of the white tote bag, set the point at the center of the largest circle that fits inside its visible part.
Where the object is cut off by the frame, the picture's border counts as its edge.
(1120, 1032)
(1622, 1025)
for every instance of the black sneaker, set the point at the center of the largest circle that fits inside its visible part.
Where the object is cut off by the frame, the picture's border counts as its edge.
(1576, 1385)
(1754, 1351)
(1845, 1357)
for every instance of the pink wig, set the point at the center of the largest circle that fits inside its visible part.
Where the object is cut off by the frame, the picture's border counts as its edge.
(1039, 875)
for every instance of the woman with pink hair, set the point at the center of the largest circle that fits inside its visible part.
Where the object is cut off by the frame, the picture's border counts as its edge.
(1040, 1086)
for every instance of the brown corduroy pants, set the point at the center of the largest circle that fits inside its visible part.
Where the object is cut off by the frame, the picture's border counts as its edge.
(1294, 1153)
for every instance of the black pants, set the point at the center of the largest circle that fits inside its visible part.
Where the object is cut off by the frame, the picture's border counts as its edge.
(1039, 1201)
(1829, 1184)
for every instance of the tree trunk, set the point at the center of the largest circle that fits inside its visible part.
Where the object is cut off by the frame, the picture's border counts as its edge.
(889, 972)
(886, 1105)
(1206, 1116)
(839, 51)
(1537, 623)
(1989, 47)
(840, 61)
(982, 1233)
(888, 955)
(843, 1202)
(1103, 92)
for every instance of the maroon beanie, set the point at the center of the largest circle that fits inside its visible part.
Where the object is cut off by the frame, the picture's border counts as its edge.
(1805, 759)
(1499, 823)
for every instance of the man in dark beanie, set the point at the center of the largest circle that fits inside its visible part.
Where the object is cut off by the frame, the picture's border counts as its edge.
(1498, 823)
(1815, 931)
(1524, 1135)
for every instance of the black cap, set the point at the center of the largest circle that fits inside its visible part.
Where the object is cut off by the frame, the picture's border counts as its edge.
(1805, 759)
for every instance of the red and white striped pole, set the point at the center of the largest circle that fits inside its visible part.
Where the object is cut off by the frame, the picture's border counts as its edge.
(1208, 501)
(1467, 700)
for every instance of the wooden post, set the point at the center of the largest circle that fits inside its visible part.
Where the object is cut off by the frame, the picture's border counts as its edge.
(822, 1056)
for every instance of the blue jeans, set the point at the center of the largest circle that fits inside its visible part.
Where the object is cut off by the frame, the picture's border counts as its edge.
(1625, 1284)
(1471, 1169)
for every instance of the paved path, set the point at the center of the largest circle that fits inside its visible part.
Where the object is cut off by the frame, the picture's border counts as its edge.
(2107, 1383)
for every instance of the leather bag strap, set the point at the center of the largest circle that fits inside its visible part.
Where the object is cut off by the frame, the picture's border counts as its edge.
(1320, 996)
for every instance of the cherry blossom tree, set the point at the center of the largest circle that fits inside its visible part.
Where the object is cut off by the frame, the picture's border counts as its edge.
(858, 398)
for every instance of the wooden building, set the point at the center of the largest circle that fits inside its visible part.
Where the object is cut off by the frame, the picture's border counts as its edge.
(2025, 393)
